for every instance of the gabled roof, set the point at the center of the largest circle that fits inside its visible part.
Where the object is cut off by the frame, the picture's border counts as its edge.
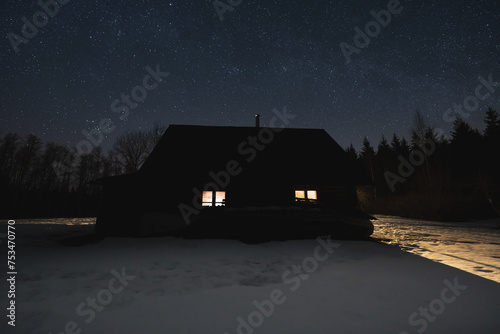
(186, 154)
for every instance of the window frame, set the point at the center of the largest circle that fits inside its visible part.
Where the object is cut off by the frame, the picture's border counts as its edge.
(213, 199)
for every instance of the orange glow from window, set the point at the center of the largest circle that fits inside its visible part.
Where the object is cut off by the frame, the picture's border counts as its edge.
(311, 194)
(207, 198)
(306, 196)
(220, 198)
(211, 198)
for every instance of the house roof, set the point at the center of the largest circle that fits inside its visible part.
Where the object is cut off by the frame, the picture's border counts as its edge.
(186, 154)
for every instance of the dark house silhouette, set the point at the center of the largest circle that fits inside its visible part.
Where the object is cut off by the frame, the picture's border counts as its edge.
(246, 181)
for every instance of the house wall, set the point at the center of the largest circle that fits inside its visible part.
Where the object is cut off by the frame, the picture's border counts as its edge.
(120, 211)
(338, 199)
(330, 198)
(126, 205)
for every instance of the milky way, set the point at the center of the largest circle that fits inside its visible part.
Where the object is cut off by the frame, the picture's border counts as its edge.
(223, 68)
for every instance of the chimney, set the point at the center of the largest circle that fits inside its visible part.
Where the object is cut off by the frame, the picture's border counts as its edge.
(257, 121)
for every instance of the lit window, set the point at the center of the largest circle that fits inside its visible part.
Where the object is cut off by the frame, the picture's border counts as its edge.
(306, 196)
(311, 194)
(220, 198)
(214, 198)
(207, 198)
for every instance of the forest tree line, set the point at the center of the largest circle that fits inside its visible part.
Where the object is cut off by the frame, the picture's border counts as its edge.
(428, 175)
(32, 184)
(434, 176)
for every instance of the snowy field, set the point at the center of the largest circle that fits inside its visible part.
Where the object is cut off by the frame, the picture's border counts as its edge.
(167, 285)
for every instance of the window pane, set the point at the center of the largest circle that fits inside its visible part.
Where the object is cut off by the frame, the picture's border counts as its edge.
(300, 194)
(220, 197)
(207, 198)
(311, 194)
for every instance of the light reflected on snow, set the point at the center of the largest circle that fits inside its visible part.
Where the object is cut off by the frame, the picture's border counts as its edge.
(470, 246)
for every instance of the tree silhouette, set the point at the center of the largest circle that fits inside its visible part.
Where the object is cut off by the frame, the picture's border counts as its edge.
(133, 148)
(395, 145)
(492, 121)
(367, 157)
(351, 152)
(491, 164)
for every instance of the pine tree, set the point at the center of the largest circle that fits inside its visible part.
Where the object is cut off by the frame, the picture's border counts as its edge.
(467, 151)
(351, 151)
(405, 147)
(419, 137)
(367, 156)
(418, 130)
(463, 133)
(491, 145)
(396, 145)
(383, 147)
(492, 121)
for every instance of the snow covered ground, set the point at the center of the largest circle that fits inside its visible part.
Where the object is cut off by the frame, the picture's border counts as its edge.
(168, 285)
(470, 246)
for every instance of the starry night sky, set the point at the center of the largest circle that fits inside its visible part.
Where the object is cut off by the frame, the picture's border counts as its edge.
(263, 55)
